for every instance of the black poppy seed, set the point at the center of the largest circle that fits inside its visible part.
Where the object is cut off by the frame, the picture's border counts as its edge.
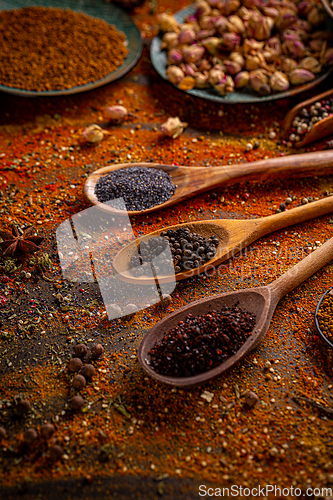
(141, 188)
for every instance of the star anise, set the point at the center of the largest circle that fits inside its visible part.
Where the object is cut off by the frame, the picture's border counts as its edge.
(19, 243)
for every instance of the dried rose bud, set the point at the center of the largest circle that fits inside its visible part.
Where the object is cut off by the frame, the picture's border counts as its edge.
(274, 44)
(76, 403)
(225, 86)
(47, 430)
(221, 24)
(96, 350)
(117, 113)
(214, 76)
(186, 36)
(242, 79)
(229, 6)
(56, 452)
(211, 44)
(193, 53)
(169, 41)
(295, 47)
(23, 406)
(252, 62)
(175, 56)
(316, 16)
(288, 64)
(257, 79)
(88, 371)
(299, 76)
(167, 22)
(188, 70)
(235, 25)
(79, 382)
(311, 64)
(80, 350)
(173, 127)
(238, 58)
(279, 82)
(327, 57)
(30, 436)
(3, 433)
(251, 399)
(232, 67)
(94, 134)
(283, 22)
(74, 365)
(230, 41)
(203, 9)
(201, 81)
(174, 74)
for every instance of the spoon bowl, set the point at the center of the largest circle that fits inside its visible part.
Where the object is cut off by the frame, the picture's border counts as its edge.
(260, 301)
(321, 333)
(190, 181)
(233, 236)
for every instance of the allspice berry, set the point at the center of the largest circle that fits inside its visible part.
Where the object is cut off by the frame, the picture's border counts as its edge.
(75, 365)
(165, 299)
(47, 430)
(3, 433)
(88, 371)
(80, 350)
(96, 350)
(30, 436)
(77, 402)
(56, 452)
(79, 382)
(23, 406)
(251, 399)
(130, 310)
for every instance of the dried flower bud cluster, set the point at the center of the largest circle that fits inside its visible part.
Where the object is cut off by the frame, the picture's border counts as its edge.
(94, 134)
(233, 44)
(173, 127)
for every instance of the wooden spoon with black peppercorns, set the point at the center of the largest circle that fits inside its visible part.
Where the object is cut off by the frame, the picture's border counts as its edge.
(231, 235)
(190, 181)
(260, 301)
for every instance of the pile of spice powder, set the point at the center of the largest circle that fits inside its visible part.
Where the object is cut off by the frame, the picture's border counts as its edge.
(202, 342)
(325, 316)
(140, 188)
(54, 49)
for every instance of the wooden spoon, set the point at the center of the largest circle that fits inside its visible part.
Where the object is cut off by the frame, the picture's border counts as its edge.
(234, 236)
(319, 130)
(194, 180)
(261, 301)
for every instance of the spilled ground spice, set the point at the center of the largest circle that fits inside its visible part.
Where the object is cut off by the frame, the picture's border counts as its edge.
(136, 438)
(200, 343)
(53, 49)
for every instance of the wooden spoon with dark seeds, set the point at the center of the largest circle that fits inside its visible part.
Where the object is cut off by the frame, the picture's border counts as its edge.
(233, 235)
(190, 181)
(261, 301)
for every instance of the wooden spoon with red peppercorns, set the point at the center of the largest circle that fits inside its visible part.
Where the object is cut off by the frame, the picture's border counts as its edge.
(260, 301)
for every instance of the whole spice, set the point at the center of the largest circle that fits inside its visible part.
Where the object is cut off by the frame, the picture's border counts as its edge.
(200, 343)
(188, 249)
(88, 371)
(56, 452)
(94, 134)
(79, 382)
(75, 49)
(140, 187)
(307, 117)
(96, 350)
(76, 403)
(20, 241)
(30, 436)
(23, 406)
(80, 350)
(47, 430)
(130, 310)
(173, 127)
(75, 365)
(117, 113)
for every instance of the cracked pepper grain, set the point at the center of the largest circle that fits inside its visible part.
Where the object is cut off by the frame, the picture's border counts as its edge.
(54, 49)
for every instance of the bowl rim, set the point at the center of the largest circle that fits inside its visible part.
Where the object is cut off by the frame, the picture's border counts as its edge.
(316, 318)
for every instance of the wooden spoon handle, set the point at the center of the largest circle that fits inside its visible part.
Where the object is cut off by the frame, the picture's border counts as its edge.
(296, 215)
(306, 164)
(303, 270)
